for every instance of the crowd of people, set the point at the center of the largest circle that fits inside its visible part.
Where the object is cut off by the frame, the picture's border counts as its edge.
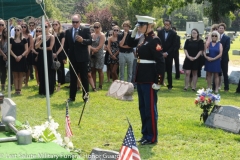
(110, 49)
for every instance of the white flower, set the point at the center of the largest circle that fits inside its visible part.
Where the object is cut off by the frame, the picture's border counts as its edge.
(70, 145)
(200, 91)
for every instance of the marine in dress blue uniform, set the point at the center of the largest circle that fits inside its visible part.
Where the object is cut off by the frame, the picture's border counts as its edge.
(149, 73)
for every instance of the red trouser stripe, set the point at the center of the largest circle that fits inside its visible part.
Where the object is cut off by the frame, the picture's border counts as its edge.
(152, 113)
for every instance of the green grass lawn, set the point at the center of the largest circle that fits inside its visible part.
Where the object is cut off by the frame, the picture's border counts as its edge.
(181, 134)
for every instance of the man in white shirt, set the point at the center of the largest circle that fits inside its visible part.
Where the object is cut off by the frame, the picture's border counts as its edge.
(32, 28)
(19, 22)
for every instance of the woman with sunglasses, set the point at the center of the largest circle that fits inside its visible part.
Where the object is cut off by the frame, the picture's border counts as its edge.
(97, 55)
(213, 28)
(213, 60)
(29, 55)
(106, 57)
(3, 58)
(113, 49)
(193, 49)
(50, 40)
(19, 50)
(35, 52)
(58, 53)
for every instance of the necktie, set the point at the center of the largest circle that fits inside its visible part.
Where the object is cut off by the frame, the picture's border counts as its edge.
(75, 33)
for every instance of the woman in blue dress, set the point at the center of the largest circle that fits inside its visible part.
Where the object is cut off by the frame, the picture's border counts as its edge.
(213, 60)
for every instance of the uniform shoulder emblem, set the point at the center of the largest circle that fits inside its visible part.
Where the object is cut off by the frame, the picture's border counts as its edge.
(158, 47)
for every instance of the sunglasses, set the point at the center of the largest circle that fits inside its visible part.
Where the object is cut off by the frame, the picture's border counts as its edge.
(31, 25)
(96, 27)
(75, 22)
(38, 31)
(214, 29)
(214, 35)
(115, 30)
(54, 24)
(24, 26)
(16, 30)
(1, 24)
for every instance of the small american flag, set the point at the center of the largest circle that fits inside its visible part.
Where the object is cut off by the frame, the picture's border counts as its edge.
(129, 150)
(67, 127)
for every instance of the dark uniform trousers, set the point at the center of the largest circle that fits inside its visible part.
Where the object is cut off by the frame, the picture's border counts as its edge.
(149, 113)
(82, 68)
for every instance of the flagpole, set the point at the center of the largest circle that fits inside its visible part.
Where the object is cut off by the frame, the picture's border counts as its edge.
(46, 68)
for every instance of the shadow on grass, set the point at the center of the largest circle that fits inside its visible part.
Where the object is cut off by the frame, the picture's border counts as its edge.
(147, 150)
(62, 105)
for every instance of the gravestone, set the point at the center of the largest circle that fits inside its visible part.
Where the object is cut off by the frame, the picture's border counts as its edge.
(235, 52)
(101, 154)
(8, 108)
(121, 90)
(234, 77)
(225, 117)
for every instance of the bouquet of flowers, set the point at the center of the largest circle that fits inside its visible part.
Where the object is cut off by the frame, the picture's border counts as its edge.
(206, 99)
(47, 132)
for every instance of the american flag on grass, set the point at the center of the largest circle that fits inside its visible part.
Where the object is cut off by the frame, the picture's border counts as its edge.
(129, 150)
(67, 126)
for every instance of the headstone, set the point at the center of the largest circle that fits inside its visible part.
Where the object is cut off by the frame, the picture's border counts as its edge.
(121, 90)
(234, 77)
(235, 52)
(101, 154)
(230, 35)
(8, 108)
(225, 117)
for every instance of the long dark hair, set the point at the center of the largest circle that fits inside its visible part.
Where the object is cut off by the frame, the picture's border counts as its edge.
(4, 34)
(198, 37)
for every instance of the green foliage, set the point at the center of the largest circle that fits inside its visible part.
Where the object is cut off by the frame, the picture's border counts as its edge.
(51, 11)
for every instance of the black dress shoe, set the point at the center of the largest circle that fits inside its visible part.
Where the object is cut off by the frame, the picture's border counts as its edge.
(146, 142)
(141, 140)
(70, 100)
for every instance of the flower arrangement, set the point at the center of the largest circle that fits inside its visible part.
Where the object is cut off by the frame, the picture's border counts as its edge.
(47, 132)
(206, 99)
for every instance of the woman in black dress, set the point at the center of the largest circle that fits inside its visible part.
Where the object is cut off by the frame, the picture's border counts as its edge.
(35, 52)
(41, 73)
(29, 38)
(58, 51)
(193, 49)
(19, 49)
(3, 58)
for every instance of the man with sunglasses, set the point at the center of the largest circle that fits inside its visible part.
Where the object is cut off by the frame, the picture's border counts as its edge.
(168, 38)
(76, 44)
(32, 28)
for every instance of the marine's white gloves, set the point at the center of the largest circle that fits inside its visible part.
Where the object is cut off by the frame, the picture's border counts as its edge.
(134, 32)
(156, 86)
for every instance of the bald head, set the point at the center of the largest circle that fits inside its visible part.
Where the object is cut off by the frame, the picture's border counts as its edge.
(76, 19)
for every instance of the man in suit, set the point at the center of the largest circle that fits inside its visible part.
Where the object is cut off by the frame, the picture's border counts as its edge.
(176, 54)
(225, 41)
(168, 38)
(76, 44)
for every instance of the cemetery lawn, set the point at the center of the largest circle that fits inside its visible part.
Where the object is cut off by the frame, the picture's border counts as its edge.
(181, 134)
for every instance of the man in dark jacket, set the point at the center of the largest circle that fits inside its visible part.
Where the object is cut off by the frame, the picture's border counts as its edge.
(76, 43)
(168, 39)
(176, 54)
